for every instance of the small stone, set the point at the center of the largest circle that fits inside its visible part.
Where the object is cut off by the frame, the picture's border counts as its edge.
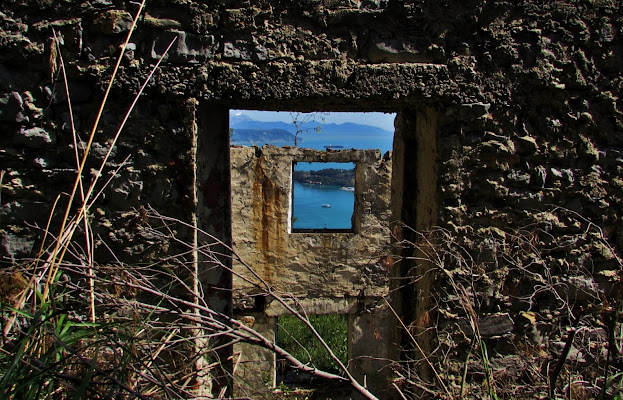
(261, 53)
(586, 118)
(607, 33)
(12, 108)
(539, 176)
(231, 51)
(35, 137)
(471, 111)
(113, 21)
(99, 151)
(556, 172)
(248, 320)
(437, 52)
(383, 50)
(41, 162)
(554, 124)
(588, 149)
(188, 48)
(34, 111)
(129, 51)
(15, 246)
(161, 23)
(49, 95)
(519, 177)
(563, 174)
(527, 145)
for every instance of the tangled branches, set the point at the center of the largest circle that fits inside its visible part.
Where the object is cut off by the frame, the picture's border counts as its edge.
(522, 313)
(144, 339)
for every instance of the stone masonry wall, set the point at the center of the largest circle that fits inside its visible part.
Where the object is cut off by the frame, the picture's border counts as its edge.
(518, 101)
(312, 267)
(314, 272)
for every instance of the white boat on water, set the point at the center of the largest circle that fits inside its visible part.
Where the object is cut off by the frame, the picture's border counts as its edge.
(326, 205)
(348, 188)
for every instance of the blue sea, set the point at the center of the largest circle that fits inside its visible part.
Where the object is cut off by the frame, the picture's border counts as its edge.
(349, 142)
(308, 210)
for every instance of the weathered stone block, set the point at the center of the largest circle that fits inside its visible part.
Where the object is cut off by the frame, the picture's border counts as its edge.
(527, 145)
(113, 21)
(188, 47)
(16, 246)
(35, 137)
(393, 50)
(161, 23)
(231, 50)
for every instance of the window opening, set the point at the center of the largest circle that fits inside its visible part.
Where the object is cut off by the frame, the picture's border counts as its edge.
(297, 339)
(326, 207)
(323, 196)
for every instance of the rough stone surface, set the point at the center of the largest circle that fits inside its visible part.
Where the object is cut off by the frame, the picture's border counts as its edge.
(34, 137)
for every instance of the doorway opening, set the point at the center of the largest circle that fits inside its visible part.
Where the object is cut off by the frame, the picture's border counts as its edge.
(294, 336)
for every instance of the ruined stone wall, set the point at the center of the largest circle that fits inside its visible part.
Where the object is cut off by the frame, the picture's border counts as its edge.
(530, 202)
(524, 98)
(320, 272)
(337, 269)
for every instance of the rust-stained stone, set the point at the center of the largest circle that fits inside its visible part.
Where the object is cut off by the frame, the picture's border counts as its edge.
(311, 266)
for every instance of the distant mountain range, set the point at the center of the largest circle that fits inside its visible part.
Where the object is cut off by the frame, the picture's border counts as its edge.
(261, 136)
(349, 135)
(349, 129)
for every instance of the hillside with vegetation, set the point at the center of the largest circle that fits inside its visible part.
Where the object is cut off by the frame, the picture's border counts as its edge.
(328, 176)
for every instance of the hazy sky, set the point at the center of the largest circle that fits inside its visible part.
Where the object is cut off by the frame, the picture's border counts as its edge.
(381, 120)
